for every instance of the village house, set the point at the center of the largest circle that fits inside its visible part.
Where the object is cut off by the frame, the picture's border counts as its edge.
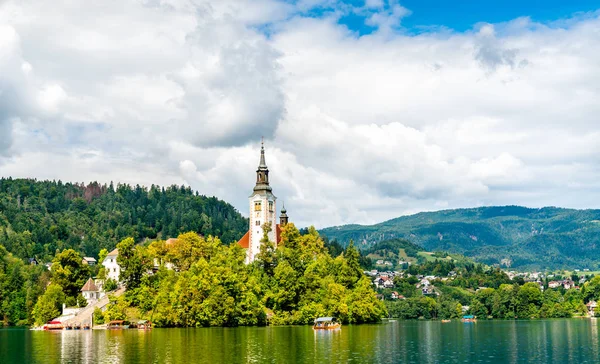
(554, 284)
(113, 270)
(591, 306)
(568, 284)
(88, 261)
(396, 296)
(91, 292)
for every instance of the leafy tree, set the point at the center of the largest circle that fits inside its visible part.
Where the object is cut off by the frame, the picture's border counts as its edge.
(110, 285)
(49, 304)
(133, 263)
(69, 273)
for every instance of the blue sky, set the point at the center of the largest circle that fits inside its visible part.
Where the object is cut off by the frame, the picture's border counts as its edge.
(462, 15)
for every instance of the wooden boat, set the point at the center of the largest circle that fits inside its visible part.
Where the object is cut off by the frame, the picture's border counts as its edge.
(445, 321)
(326, 323)
(118, 325)
(53, 325)
(144, 325)
(469, 318)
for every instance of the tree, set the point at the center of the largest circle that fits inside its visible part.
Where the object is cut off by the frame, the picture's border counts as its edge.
(69, 272)
(133, 262)
(529, 299)
(49, 304)
(267, 257)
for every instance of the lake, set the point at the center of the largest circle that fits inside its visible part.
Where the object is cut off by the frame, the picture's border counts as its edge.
(558, 341)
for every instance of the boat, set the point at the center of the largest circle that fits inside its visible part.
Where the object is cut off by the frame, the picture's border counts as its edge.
(445, 321)
(118, 325)
(326, 323)
(53, 325)
(469, 318)
(144, 325)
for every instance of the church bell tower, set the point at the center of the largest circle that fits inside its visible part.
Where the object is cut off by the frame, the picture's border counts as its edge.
(262, 209)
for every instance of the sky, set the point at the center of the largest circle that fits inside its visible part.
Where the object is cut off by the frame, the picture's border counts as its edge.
(370, 109)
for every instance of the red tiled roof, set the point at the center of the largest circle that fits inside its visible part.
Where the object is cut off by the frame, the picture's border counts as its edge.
(171, 241)
(114, 252)
(244, 242)
(89, 286)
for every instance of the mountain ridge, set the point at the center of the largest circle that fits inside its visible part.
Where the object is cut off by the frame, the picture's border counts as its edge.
(513, 236)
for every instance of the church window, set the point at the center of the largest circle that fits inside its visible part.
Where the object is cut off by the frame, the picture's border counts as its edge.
(257, 206)
(257, 222)
(271, 206)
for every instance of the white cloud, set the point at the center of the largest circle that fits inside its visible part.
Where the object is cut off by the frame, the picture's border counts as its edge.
(358, 129)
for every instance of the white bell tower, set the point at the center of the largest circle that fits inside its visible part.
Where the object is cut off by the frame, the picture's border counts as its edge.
(262, 209)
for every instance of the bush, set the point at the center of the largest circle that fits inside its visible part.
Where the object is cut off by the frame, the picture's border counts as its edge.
(110, 285)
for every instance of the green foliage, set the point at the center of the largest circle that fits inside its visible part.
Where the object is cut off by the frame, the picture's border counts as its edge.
(98, 316)
(547, 238)
(20, 286)
(134, 263)
(49, 304)
(110, 285)
(212, 286)
(39, 218)
(69, 272)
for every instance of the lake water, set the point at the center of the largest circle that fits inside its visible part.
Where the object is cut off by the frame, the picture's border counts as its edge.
(540, 341)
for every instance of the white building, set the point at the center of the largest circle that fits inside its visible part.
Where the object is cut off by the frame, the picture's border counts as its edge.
(91, 292)
(113, 270)
(263, 207)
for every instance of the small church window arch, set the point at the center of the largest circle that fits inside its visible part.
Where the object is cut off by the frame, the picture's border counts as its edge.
(257, 206)
(271, 206)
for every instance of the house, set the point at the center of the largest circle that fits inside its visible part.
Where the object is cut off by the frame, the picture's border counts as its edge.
(554, 284)
(379, 262)
(388, 263)
(91, 292)
(423, 283)
(113, 270)
(591, 306)
(88, 261)
(428, 290)
(568, 284)
(388, 283)
(33, 261)
(396, 296)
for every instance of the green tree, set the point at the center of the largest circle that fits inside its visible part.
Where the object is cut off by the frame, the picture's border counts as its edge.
(133, 262)
(69, 273)
(49, 304)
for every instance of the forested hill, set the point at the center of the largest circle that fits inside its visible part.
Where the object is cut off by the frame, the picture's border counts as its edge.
(514, 236)
(39, 218)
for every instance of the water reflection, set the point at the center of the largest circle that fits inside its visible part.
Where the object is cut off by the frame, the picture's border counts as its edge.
(563, 341)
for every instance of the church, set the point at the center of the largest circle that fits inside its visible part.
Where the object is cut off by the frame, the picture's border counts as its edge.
(263, 207)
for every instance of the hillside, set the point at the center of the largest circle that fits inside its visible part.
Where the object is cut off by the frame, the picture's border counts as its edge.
(39, 218)
(519, 237)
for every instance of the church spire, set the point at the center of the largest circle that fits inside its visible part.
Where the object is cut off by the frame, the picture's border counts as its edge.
(283, 218)
(262, 173)
(262, 163)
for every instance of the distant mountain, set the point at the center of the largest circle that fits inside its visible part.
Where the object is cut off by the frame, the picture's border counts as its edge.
(514, 236)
